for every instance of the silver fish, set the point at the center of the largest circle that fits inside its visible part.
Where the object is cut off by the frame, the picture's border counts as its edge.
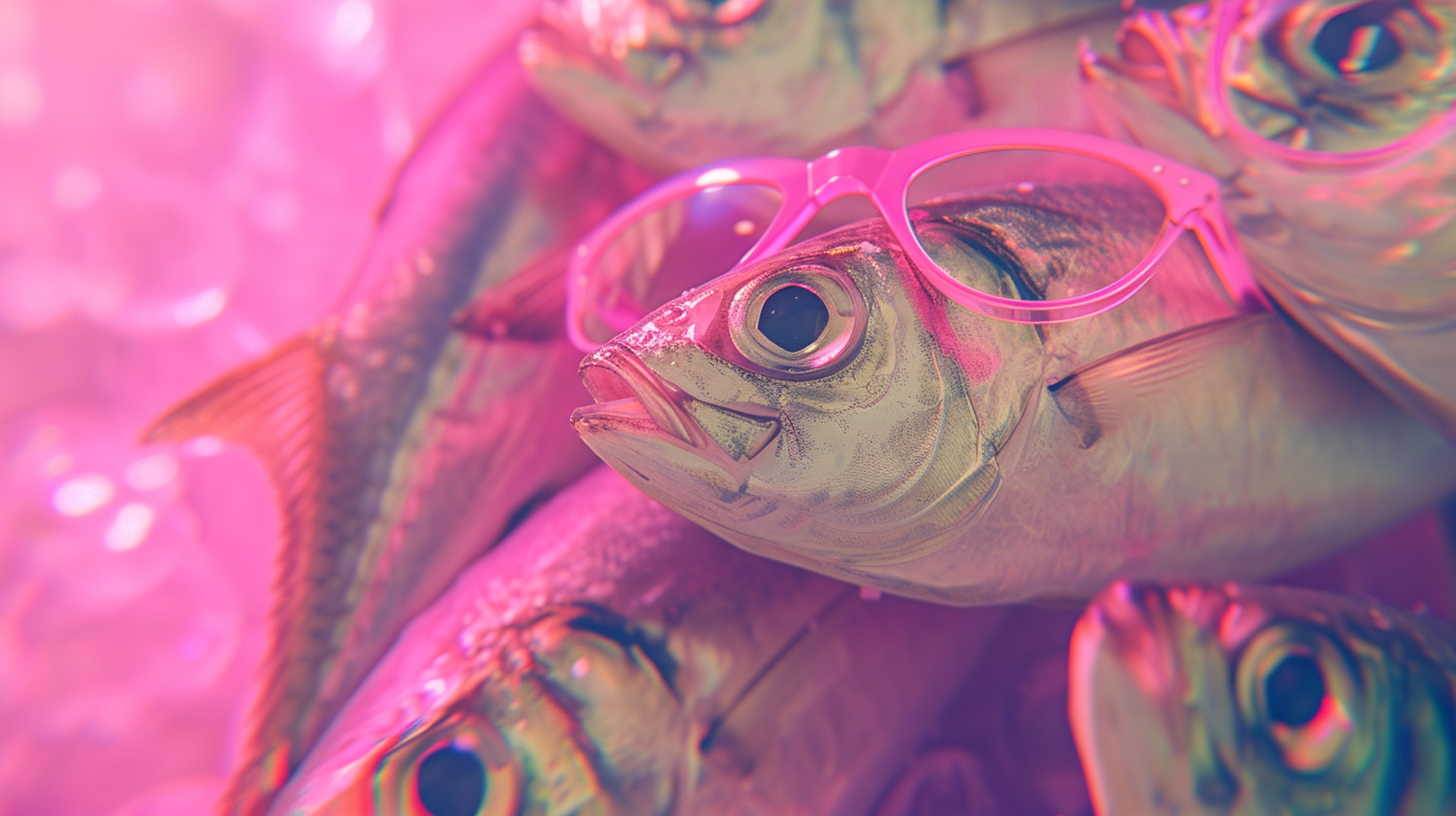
(676, 83)
(1200, 700)
(405, 432)
(611, 658)
(947, 456)
(1363, 260)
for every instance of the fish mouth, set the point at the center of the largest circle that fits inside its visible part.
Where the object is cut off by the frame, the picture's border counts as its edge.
(628, 393)
(631, 397)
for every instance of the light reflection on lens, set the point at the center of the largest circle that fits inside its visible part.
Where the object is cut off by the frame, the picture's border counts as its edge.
(672, 249)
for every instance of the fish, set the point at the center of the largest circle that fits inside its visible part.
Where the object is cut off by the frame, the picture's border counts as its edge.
(1194, 698)
(1360, 257)
(676, 84)
(611, 657)
(426, 414)
(933, 452)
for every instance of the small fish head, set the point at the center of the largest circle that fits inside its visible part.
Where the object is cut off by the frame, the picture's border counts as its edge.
(1204, 700)
(546, 719)
(800, 407)
(676, 83)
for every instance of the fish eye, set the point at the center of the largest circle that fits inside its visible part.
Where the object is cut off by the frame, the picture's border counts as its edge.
(460, 767)
(450, 781)
(800, 323)
(792, 318)
(1297, 689)
(1360, 40)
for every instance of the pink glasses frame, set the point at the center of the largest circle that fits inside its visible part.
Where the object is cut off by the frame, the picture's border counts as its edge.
(1229, 17)
(884, 176)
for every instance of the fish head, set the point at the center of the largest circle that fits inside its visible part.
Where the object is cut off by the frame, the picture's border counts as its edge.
(531, 724)
(828, 406)
(676, 83)
(1196, 699)
(1317, 75)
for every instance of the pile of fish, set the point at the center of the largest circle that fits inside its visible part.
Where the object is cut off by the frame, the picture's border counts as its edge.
(469, 620)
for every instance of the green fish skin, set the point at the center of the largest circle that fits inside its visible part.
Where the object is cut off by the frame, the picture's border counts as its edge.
(1252, 701)
(611, 658)
(947, 456)
(1364, 261)
(676, 83)
(406, 431)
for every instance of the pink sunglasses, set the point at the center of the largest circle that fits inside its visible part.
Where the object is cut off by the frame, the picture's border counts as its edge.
(1241, 25)
(605, 262)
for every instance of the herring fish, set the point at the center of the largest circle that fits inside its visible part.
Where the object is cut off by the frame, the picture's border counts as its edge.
(676, 84)
(406, 432)
(1194, 699)
(611, 658)
(1361, 257)
(930, 451)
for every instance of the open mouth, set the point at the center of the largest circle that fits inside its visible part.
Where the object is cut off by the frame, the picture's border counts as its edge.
(630, 396)
(627, 391)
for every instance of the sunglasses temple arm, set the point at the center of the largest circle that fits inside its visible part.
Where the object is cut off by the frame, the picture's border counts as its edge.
(1229, 261)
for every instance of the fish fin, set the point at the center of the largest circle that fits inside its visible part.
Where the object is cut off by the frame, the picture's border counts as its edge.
(1105, 393)
(530, 305)
(275, 408)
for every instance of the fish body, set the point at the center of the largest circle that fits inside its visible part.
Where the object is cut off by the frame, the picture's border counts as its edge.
(932, 452)
(610, 657)
(674, 84)
(1362, 257)
(407, 431)
(1248, 700)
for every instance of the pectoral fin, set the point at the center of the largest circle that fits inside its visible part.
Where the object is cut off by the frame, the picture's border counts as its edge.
(530, 305)
(1106, 393)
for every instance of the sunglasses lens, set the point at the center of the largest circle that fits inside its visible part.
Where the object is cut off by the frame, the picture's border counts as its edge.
(670, 250)
(1331, 76)
(1034, 225)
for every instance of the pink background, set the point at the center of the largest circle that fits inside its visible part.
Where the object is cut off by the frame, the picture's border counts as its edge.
(183, 184)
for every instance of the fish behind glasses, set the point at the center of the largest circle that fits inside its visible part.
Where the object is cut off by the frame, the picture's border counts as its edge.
(1331, 127)
(830, 408)
(406, 431)
(675, 83)
(609, 657)
(1196, 699)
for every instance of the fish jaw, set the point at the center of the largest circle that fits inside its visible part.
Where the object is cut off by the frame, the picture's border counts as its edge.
(639, 411)
(1151, 711)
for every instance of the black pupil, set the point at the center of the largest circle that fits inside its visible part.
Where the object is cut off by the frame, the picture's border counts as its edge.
(451, 782)
(1295, 690)
(1358, 40)
(792, 318)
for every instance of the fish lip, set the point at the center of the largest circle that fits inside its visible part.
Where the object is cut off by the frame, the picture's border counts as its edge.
(614, 376)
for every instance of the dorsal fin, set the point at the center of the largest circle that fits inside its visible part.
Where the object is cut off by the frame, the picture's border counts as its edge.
(530, 305)
(275, 408)
(1104, 393)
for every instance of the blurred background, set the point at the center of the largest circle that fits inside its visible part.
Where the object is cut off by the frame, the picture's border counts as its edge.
(183, 184)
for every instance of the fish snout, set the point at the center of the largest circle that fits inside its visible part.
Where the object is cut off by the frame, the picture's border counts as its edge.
(625, 388)
(629, 393)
